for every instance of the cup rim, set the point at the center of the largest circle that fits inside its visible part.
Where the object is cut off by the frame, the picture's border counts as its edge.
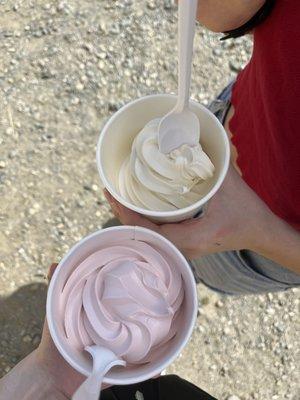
(172, 213)
(55, 335)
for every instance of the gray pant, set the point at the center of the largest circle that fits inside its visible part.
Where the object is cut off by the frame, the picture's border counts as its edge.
(240, 272)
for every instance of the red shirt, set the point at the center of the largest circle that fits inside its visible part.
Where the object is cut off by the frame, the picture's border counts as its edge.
(266, 122)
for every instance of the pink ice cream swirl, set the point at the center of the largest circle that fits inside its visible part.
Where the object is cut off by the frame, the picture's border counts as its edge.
(125, 297)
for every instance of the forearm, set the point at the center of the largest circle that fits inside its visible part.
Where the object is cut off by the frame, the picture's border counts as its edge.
(26, 382)
(279, 242)
(225, 15)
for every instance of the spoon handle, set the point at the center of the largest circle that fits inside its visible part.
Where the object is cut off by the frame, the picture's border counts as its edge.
(187, 12)
(90, 388)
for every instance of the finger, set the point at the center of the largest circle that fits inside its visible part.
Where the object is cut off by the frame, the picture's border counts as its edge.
(108, 196)
(182, 234)
(177, 233)
(111, 202)
(51, 271)
(129, 217)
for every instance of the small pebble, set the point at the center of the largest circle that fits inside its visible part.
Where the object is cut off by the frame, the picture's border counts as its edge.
(139, 395)
(36, 340)
(79, 87)
(151, 5)
(219, 304)
(205, 301)
(9, 131)
(26, 339)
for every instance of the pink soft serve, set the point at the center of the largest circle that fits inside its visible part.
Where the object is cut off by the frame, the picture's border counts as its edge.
(126, 297)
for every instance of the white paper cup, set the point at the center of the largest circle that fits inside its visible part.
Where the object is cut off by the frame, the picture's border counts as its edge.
(116, 139)
(80, 360)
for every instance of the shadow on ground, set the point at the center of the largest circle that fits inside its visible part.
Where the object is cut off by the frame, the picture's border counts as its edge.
(21, 319)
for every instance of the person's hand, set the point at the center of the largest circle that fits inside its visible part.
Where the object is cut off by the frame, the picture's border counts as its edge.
(43, 374)
(234, 219)
(64, 377)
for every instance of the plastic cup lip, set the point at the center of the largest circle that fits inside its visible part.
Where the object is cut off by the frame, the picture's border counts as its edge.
(162, 366)
(165, 214)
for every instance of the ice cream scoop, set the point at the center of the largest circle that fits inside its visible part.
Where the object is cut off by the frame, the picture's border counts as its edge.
(126, 298)
(163, 182)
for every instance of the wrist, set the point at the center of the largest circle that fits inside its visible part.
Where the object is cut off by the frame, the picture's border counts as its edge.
(64, 378)
(267, 234)
(260, 231)
(27, 381)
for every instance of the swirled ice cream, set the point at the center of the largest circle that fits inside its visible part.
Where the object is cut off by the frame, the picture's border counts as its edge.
(163, 182)
(125, 297)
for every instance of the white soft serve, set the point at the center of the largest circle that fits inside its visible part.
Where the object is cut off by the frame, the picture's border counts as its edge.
(163, 182)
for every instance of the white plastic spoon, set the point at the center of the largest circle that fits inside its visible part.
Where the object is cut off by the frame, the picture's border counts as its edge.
(103, 361)
(181, 126)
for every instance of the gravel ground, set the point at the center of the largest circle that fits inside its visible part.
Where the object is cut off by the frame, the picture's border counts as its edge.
(65, 67)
